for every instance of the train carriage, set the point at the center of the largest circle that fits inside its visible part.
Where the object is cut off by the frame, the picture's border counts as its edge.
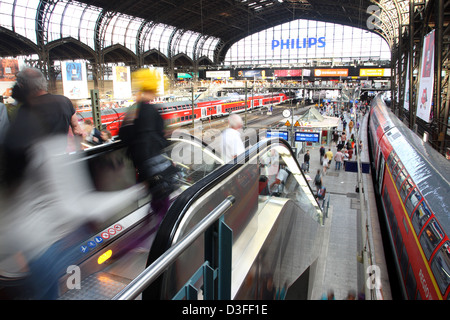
(179, 113)
(413, 182)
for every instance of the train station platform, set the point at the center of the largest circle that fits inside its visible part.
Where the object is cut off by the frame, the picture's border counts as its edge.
(342, 272)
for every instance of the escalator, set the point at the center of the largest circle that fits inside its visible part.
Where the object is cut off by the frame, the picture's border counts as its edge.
(277, 232)
(112, 251)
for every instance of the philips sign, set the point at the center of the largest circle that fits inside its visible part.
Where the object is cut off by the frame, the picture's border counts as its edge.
(298, 43)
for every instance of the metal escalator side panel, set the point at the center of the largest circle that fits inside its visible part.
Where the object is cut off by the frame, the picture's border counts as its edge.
(285, 245)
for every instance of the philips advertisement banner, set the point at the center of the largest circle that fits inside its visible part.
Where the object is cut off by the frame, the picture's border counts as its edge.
(74, 79)
(121, 82)
(425, 93)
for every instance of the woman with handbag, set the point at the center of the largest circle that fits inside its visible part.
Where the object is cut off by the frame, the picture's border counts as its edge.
(146, 142)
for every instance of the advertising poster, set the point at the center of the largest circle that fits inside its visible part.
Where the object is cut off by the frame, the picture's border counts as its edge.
(425, 93)
(406, 97)
(121, 82)
(8, 71)
(288, 73)
(74, 79)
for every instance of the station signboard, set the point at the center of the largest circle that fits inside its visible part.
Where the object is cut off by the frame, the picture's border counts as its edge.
(301, 136)
(277, 134)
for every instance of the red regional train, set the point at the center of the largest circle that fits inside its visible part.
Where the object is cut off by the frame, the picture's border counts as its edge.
(412, 180)
(180, 112)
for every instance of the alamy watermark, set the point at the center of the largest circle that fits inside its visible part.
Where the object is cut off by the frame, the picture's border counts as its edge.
(74, 279)
(374, 277)
(374, 21)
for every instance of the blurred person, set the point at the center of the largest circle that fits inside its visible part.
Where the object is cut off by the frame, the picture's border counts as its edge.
(106, 136)
(143, 132)
(46, 217)
(350, 126)
(318, 180)
(4, 122)
(329, 155)
(232, 144)
(40, 114)
(277, 186)
(91, 134)
(306, 159)
(321, 154)
(339, 159)
(325, 164)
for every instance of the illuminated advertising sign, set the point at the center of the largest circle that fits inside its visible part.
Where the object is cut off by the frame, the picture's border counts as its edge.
(288, 73)
(307, 136)
(218, 74)
(298, 43)
(331, 72)
(252, 74)
(374, 73)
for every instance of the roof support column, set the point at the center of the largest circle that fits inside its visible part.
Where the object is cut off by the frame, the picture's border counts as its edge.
(441, 108)
(412, 102)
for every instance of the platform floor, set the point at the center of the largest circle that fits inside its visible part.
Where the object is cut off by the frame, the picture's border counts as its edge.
(339, 265)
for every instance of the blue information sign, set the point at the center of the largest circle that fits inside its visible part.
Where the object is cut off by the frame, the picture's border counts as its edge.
(277, 134)
(307, 136)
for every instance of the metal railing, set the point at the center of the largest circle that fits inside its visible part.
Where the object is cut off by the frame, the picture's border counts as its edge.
(152, 272)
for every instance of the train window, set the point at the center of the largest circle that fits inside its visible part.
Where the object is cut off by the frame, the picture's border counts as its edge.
(441, 266)
(406, 188)
(389, 159)
(388, 206)
(394, 161)
(420, 217)
(411, 284)
(397, 236)
(404, 261)
(431, 237)
(401, 178)
(412, 201)
(397, 170)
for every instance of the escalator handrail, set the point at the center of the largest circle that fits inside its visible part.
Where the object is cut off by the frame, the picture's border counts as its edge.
(135, 288)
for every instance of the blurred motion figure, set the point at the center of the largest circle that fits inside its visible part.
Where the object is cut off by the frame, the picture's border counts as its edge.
(40, 115)
(47, 204)
(143, 132)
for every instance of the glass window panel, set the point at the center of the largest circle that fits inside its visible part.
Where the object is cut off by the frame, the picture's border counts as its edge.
(441, 266)
(412, 201)
(341, 43)
(6, 8)
(431, 237)
(87, 26)
(54, 29)
(420, 217)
